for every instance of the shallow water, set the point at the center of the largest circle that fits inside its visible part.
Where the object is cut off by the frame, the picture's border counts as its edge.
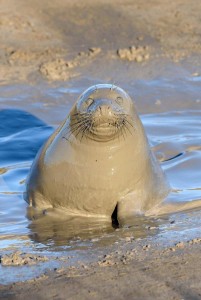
(171, 113)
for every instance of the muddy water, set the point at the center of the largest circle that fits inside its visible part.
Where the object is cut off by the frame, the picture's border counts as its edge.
(171, 113)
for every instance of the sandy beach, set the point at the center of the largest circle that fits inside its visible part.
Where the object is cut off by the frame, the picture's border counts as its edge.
(65, 46)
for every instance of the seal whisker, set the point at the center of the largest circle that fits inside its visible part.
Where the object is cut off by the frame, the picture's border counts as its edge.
(126, 126)
(121, 130)
(81, 121)
(75, 127)
(128, 129)
(118, 131)
(77, 132)
(80, 114)
(78, 126)
(63, 137)
(123, 117)
(91, 126)
(78, 122)
(120, 114)
(74, 123)
(124, 129)
(83, 116)
(131, 125)
(84, 130)
(81, 129)
(87, 130)
(68, 134)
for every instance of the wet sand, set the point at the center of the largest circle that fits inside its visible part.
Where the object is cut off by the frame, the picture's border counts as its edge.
(135, 269)
(64, 39)
(51, 44)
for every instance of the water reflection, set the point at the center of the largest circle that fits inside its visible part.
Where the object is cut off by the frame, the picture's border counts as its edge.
(58, 228)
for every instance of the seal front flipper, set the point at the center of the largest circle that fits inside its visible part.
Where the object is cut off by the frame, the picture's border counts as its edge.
(129, 206)
(146, 193)
(36, 199)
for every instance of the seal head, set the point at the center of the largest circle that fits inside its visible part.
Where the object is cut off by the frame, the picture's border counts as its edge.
(102, 113)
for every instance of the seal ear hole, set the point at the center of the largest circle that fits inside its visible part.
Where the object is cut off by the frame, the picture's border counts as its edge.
(115, 223)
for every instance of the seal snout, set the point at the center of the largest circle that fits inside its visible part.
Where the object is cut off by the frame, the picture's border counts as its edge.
(104, 116)
(104, 112)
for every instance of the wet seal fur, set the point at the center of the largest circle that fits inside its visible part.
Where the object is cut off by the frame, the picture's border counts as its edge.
(99, 159)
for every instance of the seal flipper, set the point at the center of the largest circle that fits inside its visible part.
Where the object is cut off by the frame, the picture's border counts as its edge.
(36, 199)
(127, 207)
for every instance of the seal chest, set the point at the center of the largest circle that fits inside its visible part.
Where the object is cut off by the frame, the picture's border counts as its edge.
(99, 158)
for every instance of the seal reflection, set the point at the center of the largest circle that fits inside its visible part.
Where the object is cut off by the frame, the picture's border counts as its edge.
(57, 229)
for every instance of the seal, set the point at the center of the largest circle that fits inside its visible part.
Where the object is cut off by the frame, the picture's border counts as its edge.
(98, 161)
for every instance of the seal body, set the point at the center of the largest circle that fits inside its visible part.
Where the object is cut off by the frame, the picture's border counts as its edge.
(99, 158)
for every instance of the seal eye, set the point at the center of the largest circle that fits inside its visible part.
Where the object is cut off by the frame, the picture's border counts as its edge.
(119, 100)
(89, 102)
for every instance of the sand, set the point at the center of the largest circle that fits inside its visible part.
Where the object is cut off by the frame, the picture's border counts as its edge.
(54, 41)
(58, 40)
(132, 270)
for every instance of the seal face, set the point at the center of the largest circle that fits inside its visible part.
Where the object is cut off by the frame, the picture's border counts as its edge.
(102, 114)
(97, 160)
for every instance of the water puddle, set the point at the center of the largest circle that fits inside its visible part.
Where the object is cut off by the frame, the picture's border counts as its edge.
(171, 114)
